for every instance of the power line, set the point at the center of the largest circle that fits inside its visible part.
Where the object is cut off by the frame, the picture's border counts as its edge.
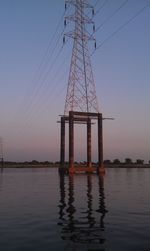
(96, 3)
(47, 54)
(112, 15)
(50, 43)
(122, 26)
(101, 7)
(45, 77)
(34, 95)
(51, 65)
(51, 54)
(50, 93)
(53, 98)
(108, 18)
(44, 63)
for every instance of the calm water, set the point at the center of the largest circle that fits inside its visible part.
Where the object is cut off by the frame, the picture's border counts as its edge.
(41, 211)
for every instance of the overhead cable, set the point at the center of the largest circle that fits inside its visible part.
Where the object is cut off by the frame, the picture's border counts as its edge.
(121, 27)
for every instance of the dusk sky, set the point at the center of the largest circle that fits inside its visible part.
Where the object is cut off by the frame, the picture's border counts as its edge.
(34, 76)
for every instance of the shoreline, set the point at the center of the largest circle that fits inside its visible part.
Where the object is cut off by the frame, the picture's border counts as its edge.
(19, 165)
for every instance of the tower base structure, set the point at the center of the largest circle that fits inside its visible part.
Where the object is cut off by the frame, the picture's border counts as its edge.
(86, 118)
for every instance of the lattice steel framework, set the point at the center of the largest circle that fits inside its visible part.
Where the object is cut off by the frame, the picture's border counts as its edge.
(81, 93)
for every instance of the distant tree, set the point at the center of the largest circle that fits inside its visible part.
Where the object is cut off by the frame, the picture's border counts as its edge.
(57, 162)
(46, 162)
(107, 161)
(116, 161)
(139, 161)
(128, 161)
(34, 162)
(26, 162)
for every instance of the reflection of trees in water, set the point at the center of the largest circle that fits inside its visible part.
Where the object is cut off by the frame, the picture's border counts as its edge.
(82, 227)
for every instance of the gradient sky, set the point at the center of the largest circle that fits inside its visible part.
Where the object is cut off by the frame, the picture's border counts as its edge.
(32, 97)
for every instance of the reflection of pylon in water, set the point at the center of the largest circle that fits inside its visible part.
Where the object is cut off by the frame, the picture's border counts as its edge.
(80, 223)
(1, 152)
(81, 93)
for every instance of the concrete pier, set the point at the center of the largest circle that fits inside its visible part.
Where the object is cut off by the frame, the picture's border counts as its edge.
(89, 164)
(71, 140)
(81, 118)
(100, 144)
(62, 144)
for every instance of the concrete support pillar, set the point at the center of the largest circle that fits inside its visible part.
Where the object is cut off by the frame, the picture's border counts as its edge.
(100, 142)
(71, 140)
(62, 144)
(89, 164)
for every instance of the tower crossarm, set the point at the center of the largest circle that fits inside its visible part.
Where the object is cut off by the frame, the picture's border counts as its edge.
(85, 19)
(75, 35)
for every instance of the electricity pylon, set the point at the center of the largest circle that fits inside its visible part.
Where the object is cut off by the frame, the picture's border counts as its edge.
(81, 105)
(81, 93)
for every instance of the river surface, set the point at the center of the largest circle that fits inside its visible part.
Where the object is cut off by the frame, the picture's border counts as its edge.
(41, 211)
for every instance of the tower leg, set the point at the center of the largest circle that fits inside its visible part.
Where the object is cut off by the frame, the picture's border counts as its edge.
(100, 144)
(89, 164)
(62, 144)
(71, 142)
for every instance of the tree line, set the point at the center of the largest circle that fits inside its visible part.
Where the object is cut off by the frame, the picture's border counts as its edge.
(127, 161)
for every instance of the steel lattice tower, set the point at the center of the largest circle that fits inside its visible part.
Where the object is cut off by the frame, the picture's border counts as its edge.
(81, 93)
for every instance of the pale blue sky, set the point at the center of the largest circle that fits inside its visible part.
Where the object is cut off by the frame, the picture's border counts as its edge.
(30, 104)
